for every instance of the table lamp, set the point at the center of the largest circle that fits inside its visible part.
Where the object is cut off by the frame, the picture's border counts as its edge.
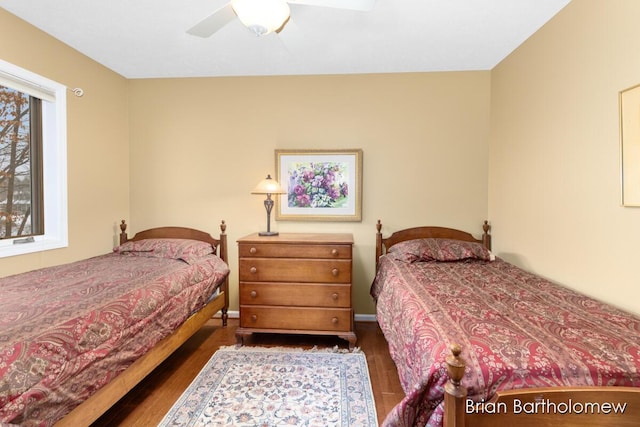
(268, 186)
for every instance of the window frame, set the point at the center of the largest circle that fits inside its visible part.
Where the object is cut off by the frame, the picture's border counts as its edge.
(54, 161)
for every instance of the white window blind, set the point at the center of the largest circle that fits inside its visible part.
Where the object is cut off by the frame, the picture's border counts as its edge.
(28, 87)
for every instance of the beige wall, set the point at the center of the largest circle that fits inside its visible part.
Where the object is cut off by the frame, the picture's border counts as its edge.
(97, 146)
(554, 174)
(199, 146)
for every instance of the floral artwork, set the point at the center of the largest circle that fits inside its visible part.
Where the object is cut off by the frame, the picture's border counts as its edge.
(319, 184)
(630, 145)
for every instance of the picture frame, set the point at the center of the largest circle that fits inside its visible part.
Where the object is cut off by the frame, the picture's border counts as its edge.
(319, 185)
(629, 100)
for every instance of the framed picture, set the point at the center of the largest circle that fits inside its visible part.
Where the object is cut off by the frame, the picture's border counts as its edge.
(319, 185)
(630, 145)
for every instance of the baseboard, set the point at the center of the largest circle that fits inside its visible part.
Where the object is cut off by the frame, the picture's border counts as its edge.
(230, 313)
(358, 317)
(365, 318)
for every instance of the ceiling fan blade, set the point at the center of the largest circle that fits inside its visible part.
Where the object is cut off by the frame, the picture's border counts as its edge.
(213, 22)
(292, 38)
(362, 5)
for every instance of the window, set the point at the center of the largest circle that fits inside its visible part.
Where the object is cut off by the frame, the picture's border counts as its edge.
(33, 205)
(20, 165)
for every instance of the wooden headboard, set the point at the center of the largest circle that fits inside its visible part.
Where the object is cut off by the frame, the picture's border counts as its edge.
(383, 244)
(220, 245)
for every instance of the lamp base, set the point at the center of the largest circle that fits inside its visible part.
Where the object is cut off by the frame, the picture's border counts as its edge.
(268, 233)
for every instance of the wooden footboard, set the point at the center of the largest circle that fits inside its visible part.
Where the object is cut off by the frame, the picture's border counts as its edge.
(538, 407)
(92, 408)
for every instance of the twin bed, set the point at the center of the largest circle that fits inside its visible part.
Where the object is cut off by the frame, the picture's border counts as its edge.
(75, 338)
(435, 287)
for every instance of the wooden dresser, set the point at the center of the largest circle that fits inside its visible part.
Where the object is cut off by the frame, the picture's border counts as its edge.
(297, 283)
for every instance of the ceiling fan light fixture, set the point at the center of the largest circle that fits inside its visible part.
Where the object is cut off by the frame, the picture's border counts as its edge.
(261, 16)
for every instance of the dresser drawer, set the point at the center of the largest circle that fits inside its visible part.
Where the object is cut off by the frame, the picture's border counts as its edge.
(298, 294)
(296, 318)
(285, 250)
(295, 270)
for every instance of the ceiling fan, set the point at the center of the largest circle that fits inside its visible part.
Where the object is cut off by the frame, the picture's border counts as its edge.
(266, 16)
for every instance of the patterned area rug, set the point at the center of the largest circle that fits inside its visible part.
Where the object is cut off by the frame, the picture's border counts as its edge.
(264, 387)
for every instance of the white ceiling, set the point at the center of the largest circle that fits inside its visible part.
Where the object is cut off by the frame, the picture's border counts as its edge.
(147, 38)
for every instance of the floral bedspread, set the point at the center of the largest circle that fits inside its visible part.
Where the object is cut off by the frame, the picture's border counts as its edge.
(65, 331)
(516, 329)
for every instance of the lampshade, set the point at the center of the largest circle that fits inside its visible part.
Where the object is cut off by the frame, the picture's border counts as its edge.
(268, 186)
(261, 16)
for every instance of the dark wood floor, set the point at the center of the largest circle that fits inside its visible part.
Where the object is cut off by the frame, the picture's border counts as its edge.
(146, 404)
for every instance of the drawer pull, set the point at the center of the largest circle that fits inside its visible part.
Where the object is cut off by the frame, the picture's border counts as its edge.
(334, 320)
(334, 296)
(253, 294)
(335, 271)
(253, 270)
(253, 251)
(334, 252)
(254, 317)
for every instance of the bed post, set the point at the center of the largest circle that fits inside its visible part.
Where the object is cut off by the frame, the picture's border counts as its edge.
(378, 243)
(222, 251)
(123, 233)
(486, 237)
(455, 395)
